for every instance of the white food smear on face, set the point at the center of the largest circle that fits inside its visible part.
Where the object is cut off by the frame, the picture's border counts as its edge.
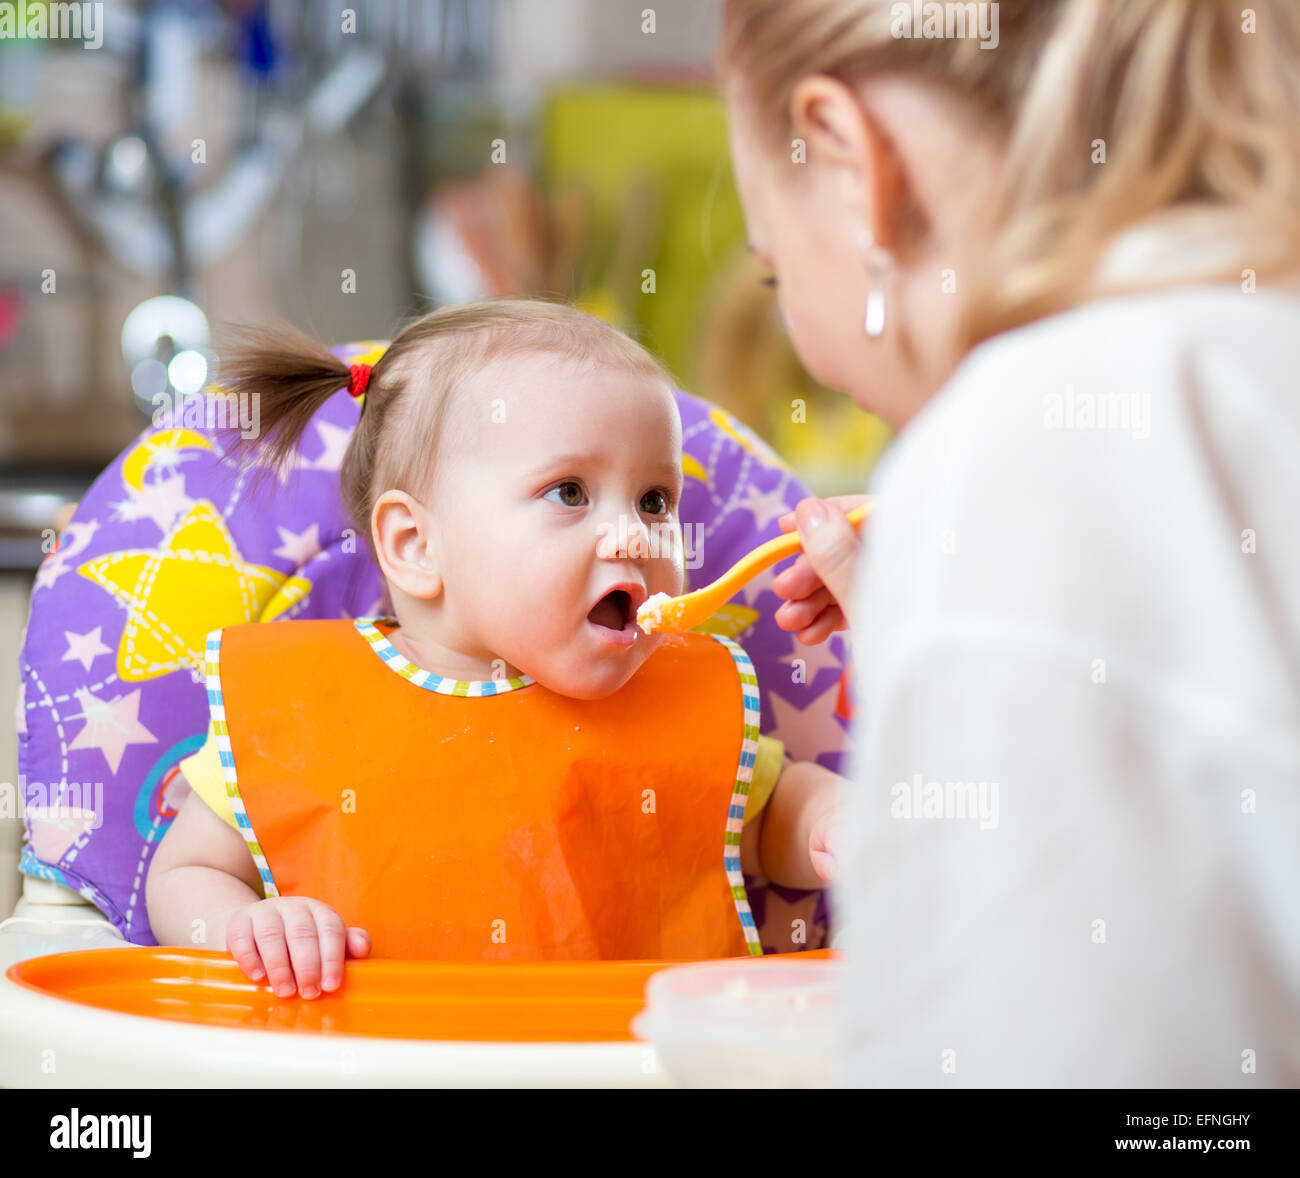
(652, 611)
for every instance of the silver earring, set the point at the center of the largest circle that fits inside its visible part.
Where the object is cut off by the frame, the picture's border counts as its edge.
(879, 262)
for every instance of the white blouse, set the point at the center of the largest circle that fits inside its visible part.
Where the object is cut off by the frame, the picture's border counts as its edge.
(1073, 842)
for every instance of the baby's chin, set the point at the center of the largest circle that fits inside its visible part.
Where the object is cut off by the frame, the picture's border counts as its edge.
(594, 680)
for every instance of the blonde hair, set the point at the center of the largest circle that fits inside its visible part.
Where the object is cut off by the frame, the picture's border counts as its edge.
(403, 417)
(1200, 122)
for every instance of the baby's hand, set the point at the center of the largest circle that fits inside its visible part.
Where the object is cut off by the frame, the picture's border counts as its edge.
(265, 937)
(823, 838)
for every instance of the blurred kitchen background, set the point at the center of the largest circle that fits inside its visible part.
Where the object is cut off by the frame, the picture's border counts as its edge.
(216, 162)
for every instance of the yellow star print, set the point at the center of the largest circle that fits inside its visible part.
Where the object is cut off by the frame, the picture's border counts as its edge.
(693, 468)
(370, 351)
(194, 581)
(748, 439)
(728, 620)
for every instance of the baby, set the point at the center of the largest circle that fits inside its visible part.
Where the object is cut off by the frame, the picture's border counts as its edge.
(509, 768)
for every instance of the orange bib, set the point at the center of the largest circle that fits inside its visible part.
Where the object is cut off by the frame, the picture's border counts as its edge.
(492, 820)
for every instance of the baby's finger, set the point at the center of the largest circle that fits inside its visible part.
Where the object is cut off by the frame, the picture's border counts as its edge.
(823, 863)
(269, 931)
(333, 945)
(242, 945)
(358, 942)
(304, 947)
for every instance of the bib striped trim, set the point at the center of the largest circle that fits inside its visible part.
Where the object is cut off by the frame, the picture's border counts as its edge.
(217, 706)
(740, 792)
(394, 659)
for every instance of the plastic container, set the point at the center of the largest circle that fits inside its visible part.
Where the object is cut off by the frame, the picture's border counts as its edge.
(761, 1023)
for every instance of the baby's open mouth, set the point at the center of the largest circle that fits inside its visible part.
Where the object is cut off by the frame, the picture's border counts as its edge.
(612, 610)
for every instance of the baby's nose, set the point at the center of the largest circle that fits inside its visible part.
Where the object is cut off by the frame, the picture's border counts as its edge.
(625, 538)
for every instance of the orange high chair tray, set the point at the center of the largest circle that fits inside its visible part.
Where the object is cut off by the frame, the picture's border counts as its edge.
(535, 1002)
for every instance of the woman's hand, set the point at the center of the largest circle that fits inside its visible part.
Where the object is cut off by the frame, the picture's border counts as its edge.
(818, 585)
(293, 941)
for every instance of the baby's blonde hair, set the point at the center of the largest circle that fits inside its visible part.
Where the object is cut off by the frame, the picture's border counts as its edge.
(398, 436)
(1198, 118)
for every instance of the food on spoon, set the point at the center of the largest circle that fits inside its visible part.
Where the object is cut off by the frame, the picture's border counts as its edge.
(659, 611)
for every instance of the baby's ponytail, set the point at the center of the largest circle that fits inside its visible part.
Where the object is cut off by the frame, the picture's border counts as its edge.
(289, 376)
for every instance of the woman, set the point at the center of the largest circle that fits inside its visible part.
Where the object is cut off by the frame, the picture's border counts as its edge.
(1064, 262)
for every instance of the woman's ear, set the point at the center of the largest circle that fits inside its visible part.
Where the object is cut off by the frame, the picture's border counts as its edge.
(841, 135)
(405, 545)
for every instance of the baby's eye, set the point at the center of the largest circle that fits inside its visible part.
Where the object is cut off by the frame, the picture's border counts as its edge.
(571, 494)
(655, 503)
(770, 280)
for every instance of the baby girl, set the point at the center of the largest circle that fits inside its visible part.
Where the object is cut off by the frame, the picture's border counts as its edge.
(507, 768)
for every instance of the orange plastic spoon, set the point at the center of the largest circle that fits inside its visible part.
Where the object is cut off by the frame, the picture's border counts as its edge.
(679, 614)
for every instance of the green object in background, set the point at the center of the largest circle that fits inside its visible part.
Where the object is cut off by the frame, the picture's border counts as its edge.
(20, 67)
(835, 449)
(640, 179)
(654, 165)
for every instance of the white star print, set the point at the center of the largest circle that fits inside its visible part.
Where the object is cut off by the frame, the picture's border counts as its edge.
(765, 506)
(815, 658)
(85, 648)
(299, 547)
(336, 441)
(810, 731)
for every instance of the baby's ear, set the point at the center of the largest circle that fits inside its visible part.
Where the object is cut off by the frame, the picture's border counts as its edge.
(405, 545)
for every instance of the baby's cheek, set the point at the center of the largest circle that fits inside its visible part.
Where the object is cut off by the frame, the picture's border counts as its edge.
(536, 638)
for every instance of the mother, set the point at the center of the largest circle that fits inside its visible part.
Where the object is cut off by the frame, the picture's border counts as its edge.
(1065, 263)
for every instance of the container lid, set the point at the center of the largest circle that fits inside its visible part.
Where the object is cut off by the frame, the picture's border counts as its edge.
(792, 1006)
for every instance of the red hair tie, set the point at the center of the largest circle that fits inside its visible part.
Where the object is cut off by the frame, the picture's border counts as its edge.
(358, 380)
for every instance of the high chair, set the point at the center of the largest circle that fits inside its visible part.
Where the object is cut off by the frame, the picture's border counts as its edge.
(117, 1010)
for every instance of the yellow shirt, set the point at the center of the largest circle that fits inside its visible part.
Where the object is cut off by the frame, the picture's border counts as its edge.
(203, 771)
